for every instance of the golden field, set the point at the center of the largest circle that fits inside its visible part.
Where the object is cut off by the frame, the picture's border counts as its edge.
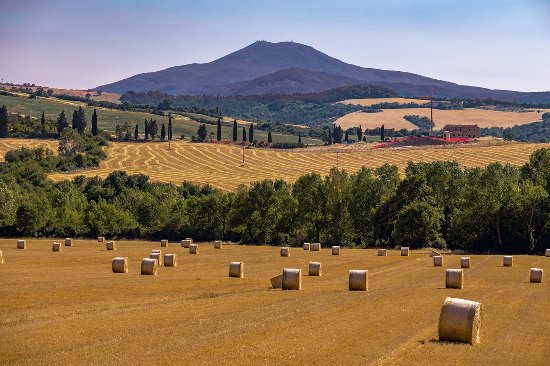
(393, 118)
(371, 101)
(69, 308)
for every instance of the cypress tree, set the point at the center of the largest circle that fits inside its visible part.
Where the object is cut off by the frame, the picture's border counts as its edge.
(62, 122)
(82, 123)
(382, 133)
(244, 134)
(95, 130)
(146, 129)
(43, 122)
(202, 132)
(235, 131)
(346, 136)
(162, 132)
(74, 121)
(329, 136)
(219, 130)
(136, 132)
(3, 121)
(269, 139)
(169, 127)
(299, 138)
(251, 133)
(359, 133)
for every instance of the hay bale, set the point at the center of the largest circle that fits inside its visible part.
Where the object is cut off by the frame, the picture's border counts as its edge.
(307, 246)
(536, 275)
(358, 280)
(186, 243)
(335, 250)
(218, 244)
(236, 269)
(454, 278)
(382, 253)
(315, 247)
(438, 261)
(434, 253)
(170, 260)
(164, 243)
(465, 262)
(120, 265)
(193, 249)
(404, 251)
(277, 281)
(149, 266)
(460, 321)
(68, 242)
(292, 279)
(285, 252)
(547, 253)
(21, 244)
(157, 257)
(111, 245)
(100, 239)
(508, 261)
(315, 269)
(1, 257)
(57, 247)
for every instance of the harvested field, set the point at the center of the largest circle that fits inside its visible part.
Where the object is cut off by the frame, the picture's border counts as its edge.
(12, 144)
(220, 165)
(82, 313)
(393, 118)
(371, 101)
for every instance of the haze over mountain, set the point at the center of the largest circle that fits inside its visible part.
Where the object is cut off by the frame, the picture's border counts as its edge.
(287, 68)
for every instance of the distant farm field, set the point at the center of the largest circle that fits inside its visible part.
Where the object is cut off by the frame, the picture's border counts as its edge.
(372, 101)
(221, 165)
(393, 118)
(69, 308)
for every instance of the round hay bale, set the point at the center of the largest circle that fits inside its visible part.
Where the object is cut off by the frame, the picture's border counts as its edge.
(120, 265)
(164, 243)
(277, 281)
(454, 278)
(285, 252)
(307, 246)
(404, 251)
(315, 247)
(193, 249)
(358, 280)
(149, 266)
(438, 261)
(547, 253)
(292, 279)
(465, 262)
(21, 244)
(68, 242)
(460, 321)
(157, 257)
(218, 244)
(536, 275)
(186, 243)
(111, 245)
(508, 261)
(315, 269)
(57, 247)
(382, 253)
(236, 269)
(335, 250)
(100, 239)
(170, 260)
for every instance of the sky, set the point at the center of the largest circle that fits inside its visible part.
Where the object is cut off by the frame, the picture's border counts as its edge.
(498, 44)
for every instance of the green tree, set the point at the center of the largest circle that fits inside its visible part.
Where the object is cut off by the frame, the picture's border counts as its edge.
(146, 129)
(153, 128)
(95, 129)
(299, 138)
(346, 136)
(70, 143)
(62, 122)
(9, 200)
(309, 191)
(169, 127)
(235, 131)
(269, 138)
(359, 131)
(418, 225)
(244, 134)
(251, 133)
(219, 130)
(382, 134)
(3, 121)
(338, 228)
(43, 123)
(202, 132)
(136, 132)
(162, 132)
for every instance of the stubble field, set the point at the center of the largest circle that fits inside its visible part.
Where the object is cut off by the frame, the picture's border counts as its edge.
(69, 308)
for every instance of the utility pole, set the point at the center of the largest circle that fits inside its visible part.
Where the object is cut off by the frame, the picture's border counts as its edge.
(432, 116)
(243, 155)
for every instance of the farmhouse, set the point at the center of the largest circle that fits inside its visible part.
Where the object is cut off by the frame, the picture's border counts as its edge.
(461, 131)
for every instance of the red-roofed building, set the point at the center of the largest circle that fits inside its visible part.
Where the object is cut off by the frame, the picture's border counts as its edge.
(471, 131)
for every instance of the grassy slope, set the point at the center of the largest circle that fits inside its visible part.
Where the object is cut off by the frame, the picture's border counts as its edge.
(108, 119)
(194, 314)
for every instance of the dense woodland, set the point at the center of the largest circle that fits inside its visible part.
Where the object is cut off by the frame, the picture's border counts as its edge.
(497, 209)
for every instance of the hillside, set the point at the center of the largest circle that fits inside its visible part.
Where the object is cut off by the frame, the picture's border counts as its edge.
(220, 165)
(227, 74)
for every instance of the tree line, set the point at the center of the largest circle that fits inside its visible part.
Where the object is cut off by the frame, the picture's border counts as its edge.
(499, 208)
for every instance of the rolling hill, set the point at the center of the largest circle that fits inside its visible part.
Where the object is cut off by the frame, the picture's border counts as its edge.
(256, 69)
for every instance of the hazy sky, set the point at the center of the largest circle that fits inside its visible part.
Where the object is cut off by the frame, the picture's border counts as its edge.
(501, 44)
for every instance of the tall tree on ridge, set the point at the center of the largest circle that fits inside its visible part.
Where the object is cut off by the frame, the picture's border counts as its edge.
(169, 127)
(162, 132)
(382, 133)
(62, 122)
(43, 122)
(219, 130)
(251, 133)
(136, 132)
(3, 121)
(146, 129)
(235, 131)
(95, 130)
(269, 138)
(244, 134)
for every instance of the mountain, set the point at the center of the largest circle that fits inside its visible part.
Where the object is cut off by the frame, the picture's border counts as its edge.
(288, 67)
